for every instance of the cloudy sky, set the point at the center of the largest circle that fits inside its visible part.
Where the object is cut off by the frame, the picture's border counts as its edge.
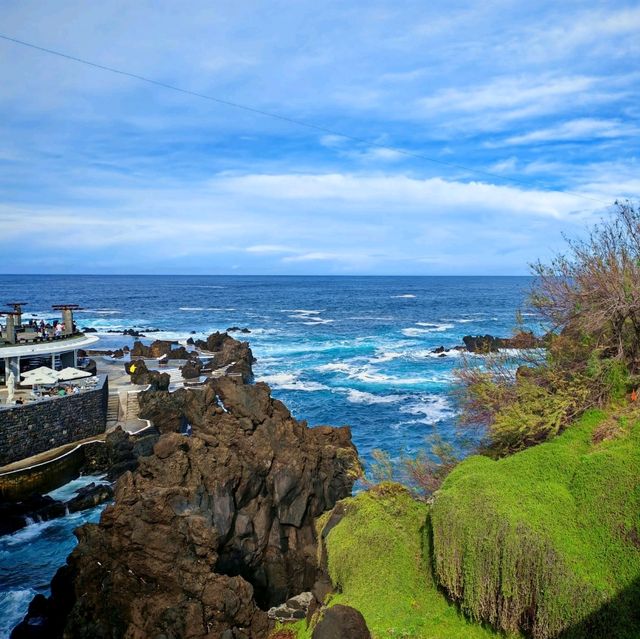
(495, 127)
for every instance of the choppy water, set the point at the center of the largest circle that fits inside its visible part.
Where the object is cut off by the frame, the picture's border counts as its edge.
(336, 350)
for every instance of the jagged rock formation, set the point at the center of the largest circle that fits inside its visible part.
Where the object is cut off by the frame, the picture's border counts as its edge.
(230, 353)
(160, 348)
(210, 530)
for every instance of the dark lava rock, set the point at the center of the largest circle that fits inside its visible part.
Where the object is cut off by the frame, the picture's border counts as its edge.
(17, 515)
(141, 375)
(236, 329)
(159, 348)
(230, 353)
(119, 452)
(90, 496)
(132, 333)
(89, 329)
(190, 341)
(213, 528)
(341, 622)
(491, 344)
(192, 369)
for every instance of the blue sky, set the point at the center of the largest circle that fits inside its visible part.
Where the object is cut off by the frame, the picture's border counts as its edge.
(100, 173)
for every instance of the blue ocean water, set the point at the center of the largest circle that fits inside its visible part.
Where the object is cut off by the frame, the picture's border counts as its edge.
(336, 350)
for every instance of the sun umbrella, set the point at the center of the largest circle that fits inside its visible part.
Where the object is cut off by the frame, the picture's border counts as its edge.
(70, 373)
(41, 370)
(42, 378)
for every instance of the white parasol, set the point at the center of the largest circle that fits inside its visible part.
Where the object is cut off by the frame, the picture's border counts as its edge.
(40, 377)
(70, 373)
(41, 370)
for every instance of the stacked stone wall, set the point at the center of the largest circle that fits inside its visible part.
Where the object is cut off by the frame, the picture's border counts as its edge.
(30, 429)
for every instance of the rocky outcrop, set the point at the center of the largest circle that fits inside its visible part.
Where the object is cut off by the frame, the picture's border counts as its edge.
(160, 348)
(119, 453)
(229, 353)
(141, 375)
(484, 344)
(213, 529)
(192, 369)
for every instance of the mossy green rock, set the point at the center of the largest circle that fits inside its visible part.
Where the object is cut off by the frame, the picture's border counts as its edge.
(547, 540)
(376, 561)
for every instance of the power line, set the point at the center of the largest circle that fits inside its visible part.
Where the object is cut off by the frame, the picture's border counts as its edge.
(294, 121)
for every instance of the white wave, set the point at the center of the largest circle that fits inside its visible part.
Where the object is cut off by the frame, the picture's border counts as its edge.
(426, 328)
(302, 311)
(67, 491)
(370, 317)
(435, 328)
(14, 605)
(289, 381)
(368, 374)
(406, 296)
(204, 308)
(431, 409)
(422, 353)
(314, 321)
(99, 311)
(361, 397)
(385, 356)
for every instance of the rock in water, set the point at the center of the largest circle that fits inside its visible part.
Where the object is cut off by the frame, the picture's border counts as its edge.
(213, 529)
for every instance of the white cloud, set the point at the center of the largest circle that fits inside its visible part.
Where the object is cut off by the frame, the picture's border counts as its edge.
(580, 129)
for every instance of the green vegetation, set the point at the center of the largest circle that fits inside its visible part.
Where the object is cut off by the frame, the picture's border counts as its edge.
(547, 540)
(376, 559)
(591, 300)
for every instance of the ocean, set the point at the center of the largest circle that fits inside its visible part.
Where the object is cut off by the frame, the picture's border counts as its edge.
(335, 350)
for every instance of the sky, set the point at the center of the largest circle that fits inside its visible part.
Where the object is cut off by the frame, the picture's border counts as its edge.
(485, 131)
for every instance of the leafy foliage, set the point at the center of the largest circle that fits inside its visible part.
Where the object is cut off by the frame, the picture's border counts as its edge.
(422, 474)
(591, 297)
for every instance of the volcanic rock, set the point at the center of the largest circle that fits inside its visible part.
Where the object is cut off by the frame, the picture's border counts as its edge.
(141, 375)
(212, 529)
(229, 353)
(341, 622)
(159, 348)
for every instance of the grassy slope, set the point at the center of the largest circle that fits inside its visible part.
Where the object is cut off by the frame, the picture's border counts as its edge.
(553, 529)
(376, 558)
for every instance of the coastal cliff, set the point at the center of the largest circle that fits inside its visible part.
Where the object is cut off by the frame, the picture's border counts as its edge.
(211, 529)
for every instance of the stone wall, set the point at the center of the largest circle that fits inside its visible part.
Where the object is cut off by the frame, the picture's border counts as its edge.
(34, 428)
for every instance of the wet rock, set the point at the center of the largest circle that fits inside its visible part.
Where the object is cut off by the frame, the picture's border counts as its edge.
(17, 515)
(89, 496)
(237, 329)
(341, 622)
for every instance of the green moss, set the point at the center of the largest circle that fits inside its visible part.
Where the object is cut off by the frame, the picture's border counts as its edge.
(546, 539)
(376, 561)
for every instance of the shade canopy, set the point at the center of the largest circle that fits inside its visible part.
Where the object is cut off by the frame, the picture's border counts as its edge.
(70, 373)
(42, 378)
(41, 370)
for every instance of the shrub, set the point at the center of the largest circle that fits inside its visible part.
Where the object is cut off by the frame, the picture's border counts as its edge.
(544, 540)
